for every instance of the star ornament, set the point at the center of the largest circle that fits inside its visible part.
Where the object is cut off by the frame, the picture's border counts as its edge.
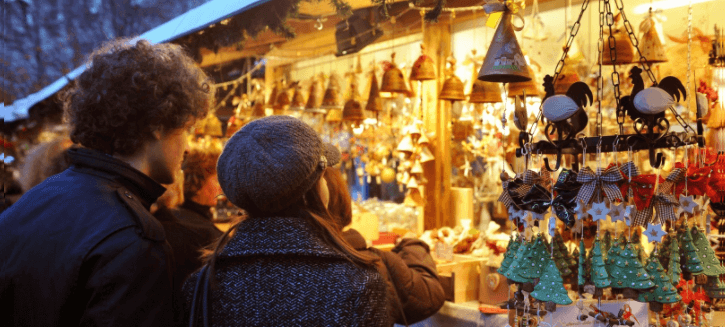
(580, 210)
(537, 216)
(598, 211)
(616, 212)
(688, 204)
(654, 233)
(628, 213)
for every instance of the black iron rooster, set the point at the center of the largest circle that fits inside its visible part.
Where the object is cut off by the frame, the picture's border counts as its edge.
(566, 113)
(647, 106)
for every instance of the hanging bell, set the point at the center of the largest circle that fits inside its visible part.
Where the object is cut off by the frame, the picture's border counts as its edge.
(413, 130)
(485, 92)
(374, 101)
(406, 145)
(298, 100)
(353, 112)
(423, 139)
(334, 115)
(452, 89)
(417, 168)
(393, 80)
(651, 42)
(567, 77)
(426, 155)
(504, 62)
(423, 68)
(331, 99)
(531, 88)
(412, 182)
(623, 48)
(313, 105)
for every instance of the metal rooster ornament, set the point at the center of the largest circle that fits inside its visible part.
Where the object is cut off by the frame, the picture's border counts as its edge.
(650, 104)
(646, 107)
(565, 113)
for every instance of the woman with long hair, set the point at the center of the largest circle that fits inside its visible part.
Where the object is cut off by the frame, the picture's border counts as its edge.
(414, 291)
(287, 263)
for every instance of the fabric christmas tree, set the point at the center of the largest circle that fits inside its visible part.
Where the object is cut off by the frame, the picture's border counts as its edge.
(664, 291)
(582, 264)
(508, 257)
(520, 259)
(599, 274)
(537, 259)
(715, 288)
(673, 265)
(689, 259)
(710, 264)
(550, 287)
(626, 272)
(560, 258)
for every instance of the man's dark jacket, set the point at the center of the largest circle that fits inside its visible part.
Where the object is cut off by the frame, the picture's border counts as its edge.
(279, 271)
(414, 291)
(81, 248)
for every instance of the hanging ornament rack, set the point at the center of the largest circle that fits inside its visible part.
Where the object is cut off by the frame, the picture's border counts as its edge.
(565, 116)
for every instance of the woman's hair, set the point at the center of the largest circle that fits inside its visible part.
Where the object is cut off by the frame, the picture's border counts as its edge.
(131, 90)
(199, 164)
(312, 208)
(44, 160)
(174, 195)
(340, 205)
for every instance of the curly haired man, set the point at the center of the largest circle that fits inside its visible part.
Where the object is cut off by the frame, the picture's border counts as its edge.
(81, 248)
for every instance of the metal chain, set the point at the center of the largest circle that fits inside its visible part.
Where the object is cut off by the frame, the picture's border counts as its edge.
(600, 48)
(560, 64)
(633, 38)
(613, 56)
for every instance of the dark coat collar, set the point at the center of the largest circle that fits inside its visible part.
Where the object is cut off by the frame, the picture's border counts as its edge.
(278, 236)
(104, 165)
(204, 211)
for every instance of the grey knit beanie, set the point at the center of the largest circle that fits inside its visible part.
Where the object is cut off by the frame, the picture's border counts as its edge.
(272, 162)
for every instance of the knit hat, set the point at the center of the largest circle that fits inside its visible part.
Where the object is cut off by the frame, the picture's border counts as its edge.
(272, 162)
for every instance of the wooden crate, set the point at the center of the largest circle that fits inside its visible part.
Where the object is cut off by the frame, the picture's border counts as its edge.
(461, 277)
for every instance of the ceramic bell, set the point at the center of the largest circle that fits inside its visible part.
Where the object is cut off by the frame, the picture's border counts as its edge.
(353, 112)
(412, 182)
(651, 41)
(423, 139)
(423, 68)
(452, 89)
(331, 99)
(298, 100)
(374, 101)
(485, 92)
(406, 145)
(393, 80)
(417, 168)
(504, 62)
(426, 155)
(313, 103)
(623, 46)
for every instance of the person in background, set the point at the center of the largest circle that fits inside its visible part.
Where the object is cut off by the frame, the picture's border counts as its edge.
(187, 238)
(82, 248)
(286, 263)
(44, 160)
(414, 291)
(201, 188)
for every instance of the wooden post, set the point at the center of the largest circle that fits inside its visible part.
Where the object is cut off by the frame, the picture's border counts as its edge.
(436, 118)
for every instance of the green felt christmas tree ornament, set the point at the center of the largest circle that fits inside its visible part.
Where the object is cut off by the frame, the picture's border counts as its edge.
(520, 258)
(550, 288)
(560, 258)
(626, 272)
(582, 276)
(715, 288)
(664, 254)
(599, 274)
(710, 263)
(534, 265)
(508, 257)
(673, 263)
(689, 259)
(664, 291)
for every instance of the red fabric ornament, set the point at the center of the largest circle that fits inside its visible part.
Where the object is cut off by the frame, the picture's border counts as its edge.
(697, 180)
